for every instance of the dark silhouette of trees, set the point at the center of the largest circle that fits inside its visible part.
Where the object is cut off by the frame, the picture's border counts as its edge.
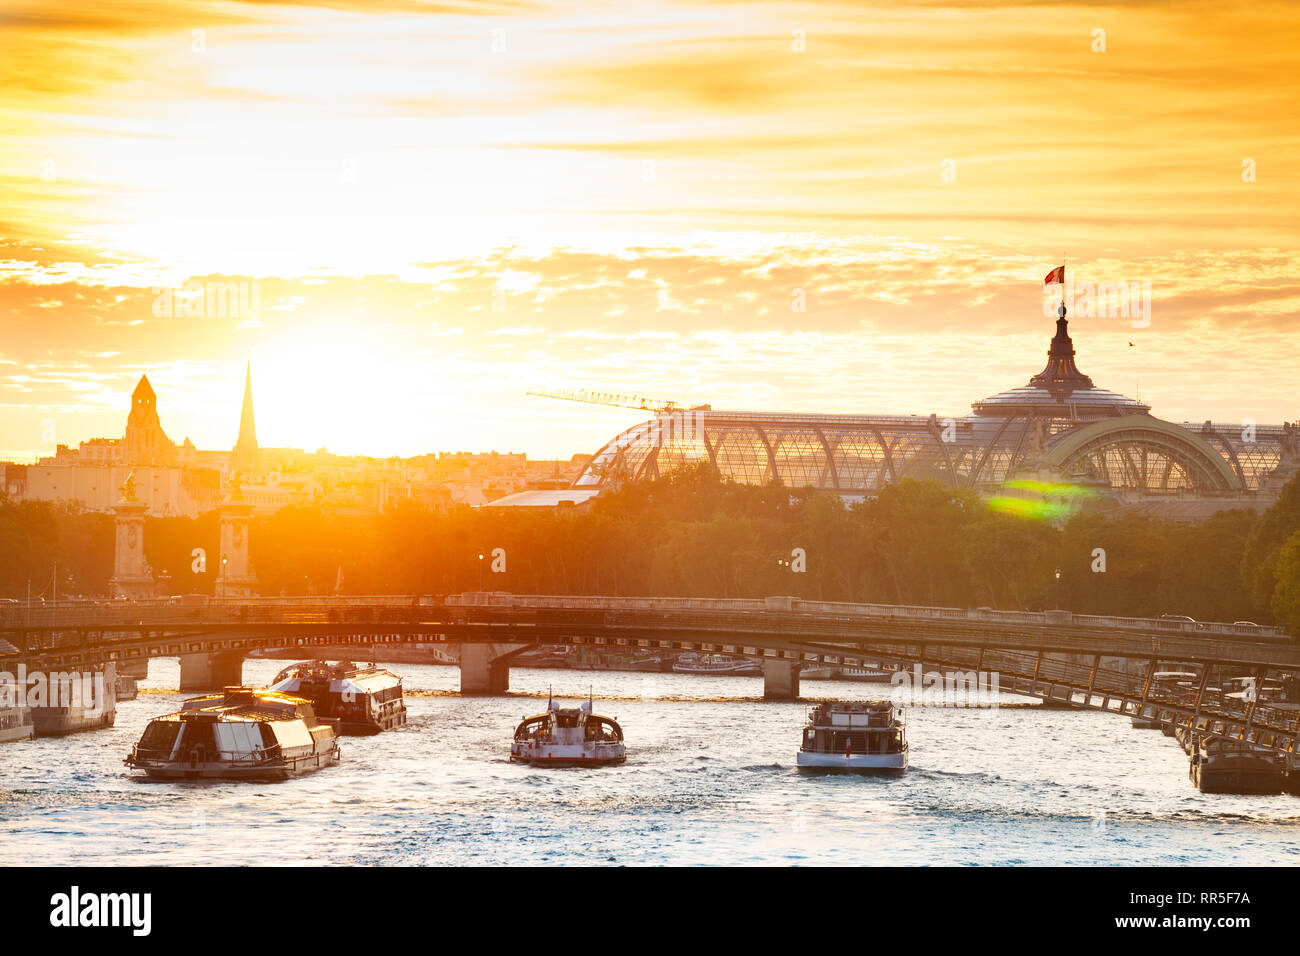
(693, 533)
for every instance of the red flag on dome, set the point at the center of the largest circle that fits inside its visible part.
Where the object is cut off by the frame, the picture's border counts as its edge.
(1056, 275)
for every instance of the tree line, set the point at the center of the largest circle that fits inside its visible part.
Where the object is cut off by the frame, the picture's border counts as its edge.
(692, 533)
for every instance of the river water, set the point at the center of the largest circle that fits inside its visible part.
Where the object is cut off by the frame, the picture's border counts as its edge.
(710, 779)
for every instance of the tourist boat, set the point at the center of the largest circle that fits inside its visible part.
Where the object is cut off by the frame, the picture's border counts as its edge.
(15, 724)
(568, 737)
(365, 700)
(692, 663)
(241, 734)
(1234, 766)
(862, 737)
(866, 675)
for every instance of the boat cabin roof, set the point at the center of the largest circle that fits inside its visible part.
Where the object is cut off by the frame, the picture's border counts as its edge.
(570, 715)
(244, 703)
(324, 670)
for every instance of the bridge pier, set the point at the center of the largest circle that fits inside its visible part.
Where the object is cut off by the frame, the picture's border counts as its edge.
(137, 669)
(780, 679)
(211, 671)
(484, 669)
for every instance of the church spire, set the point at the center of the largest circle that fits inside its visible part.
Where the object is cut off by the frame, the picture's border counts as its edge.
(245, 457)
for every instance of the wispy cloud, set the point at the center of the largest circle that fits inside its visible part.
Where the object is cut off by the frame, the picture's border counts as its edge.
(774, 204)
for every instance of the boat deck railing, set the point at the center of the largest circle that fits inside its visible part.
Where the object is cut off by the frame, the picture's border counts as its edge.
(237, 759)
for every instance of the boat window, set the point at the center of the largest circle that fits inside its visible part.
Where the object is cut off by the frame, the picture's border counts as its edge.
(198, 737)
(601, 728)
(536, 727)
(160, 736)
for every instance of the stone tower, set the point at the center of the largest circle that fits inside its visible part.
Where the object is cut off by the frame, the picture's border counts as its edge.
(146, 442)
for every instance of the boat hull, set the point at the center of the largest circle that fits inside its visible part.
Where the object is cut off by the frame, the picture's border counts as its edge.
(62, 721)
(568, 761)
(567, 755)
(835, 673)
(390, 720)
(852, 763)
(224, 770)
(20, 732)
(1237, 774)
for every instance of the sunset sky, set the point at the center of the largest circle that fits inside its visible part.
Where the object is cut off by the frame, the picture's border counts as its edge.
(444, 205)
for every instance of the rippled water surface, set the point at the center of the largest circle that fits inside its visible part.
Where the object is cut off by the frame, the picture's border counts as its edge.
(710, 778)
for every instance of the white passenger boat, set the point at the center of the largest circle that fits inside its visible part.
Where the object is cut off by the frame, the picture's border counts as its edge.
(692, 663)
(568, 737)
(866, 675)
(365, 700)
(242, 734)
(861, 737)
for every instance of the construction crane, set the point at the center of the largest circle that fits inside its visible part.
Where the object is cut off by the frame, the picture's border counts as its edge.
(611, 398)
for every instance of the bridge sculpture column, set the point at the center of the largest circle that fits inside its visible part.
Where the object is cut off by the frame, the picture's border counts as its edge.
(780, 679)
(235, 576)
(131, 575)
(485, 668)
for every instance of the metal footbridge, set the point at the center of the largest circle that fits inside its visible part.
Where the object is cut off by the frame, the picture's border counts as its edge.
(1087, 661)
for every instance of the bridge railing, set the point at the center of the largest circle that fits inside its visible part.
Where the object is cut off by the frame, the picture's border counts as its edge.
(306, 609)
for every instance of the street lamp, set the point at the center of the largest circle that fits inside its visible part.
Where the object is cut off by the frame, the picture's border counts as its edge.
(480, 572)
(1058, 589)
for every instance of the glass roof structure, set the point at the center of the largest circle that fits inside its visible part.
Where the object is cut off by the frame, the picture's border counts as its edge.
(1058, 425)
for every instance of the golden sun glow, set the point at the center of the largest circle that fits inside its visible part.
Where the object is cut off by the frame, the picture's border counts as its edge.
(443, 208)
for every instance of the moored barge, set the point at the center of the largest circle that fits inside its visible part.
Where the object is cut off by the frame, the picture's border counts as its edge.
(693, 663)
(15, 724)
(76, 701)
(1220, 765)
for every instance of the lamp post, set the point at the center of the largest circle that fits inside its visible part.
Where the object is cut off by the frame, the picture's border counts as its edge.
(480, 572)
(1058, 589)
